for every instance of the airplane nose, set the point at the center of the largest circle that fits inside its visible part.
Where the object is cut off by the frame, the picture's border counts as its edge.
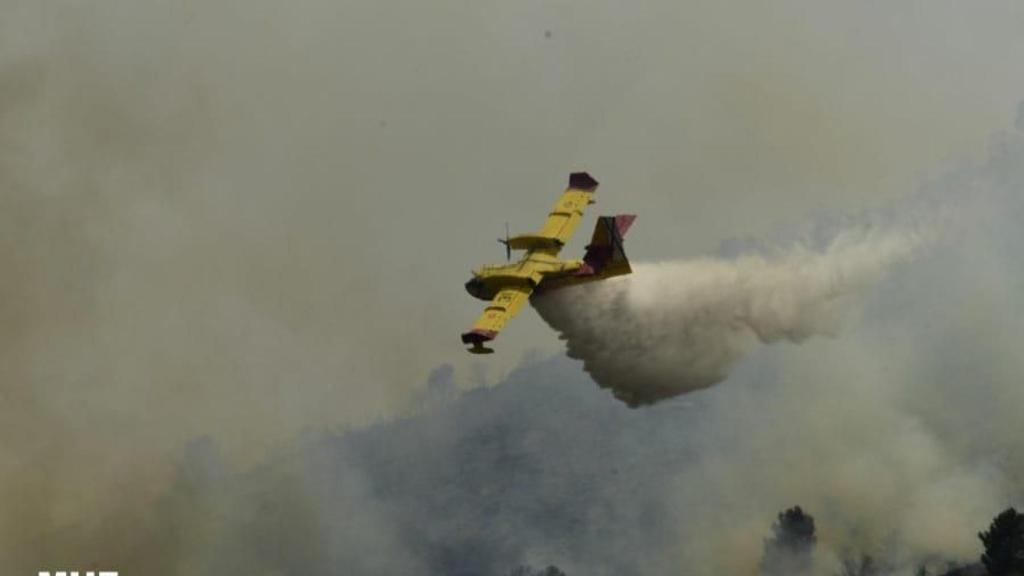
(474, 287)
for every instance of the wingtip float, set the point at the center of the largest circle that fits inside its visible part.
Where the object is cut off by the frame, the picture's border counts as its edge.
(508, 286)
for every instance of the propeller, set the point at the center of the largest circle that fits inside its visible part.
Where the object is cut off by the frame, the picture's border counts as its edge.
(508, 248)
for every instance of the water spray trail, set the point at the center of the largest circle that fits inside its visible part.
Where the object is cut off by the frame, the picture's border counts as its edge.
(675, 327)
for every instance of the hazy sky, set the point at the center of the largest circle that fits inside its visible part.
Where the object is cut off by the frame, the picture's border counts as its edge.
(245, 218)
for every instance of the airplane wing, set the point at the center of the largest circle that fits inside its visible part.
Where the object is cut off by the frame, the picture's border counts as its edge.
(568, 211)
(563, 218)
(506, 304)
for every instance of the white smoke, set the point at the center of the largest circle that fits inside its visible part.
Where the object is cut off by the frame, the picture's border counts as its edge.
(675, 327)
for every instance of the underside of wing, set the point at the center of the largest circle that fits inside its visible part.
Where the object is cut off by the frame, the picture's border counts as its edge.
(506, 304)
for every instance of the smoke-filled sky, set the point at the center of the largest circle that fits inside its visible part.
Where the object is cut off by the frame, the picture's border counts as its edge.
(243, 220)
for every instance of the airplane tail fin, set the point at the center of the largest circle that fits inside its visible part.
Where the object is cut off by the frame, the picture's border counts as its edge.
(605, 255)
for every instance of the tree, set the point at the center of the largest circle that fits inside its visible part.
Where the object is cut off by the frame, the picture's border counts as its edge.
(1004, 544)
(788, 551)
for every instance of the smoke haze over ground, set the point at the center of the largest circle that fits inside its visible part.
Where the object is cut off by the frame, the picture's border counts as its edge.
(233, 237)
(900, 435)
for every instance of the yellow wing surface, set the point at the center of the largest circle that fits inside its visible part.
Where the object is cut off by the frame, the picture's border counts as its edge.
(563, 219)
(568, 211)
(506, 304)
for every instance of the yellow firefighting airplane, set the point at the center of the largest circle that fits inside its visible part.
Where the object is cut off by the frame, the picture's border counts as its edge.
(508, 286)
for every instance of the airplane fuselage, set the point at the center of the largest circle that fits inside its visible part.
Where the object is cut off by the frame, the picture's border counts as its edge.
(535, 270)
